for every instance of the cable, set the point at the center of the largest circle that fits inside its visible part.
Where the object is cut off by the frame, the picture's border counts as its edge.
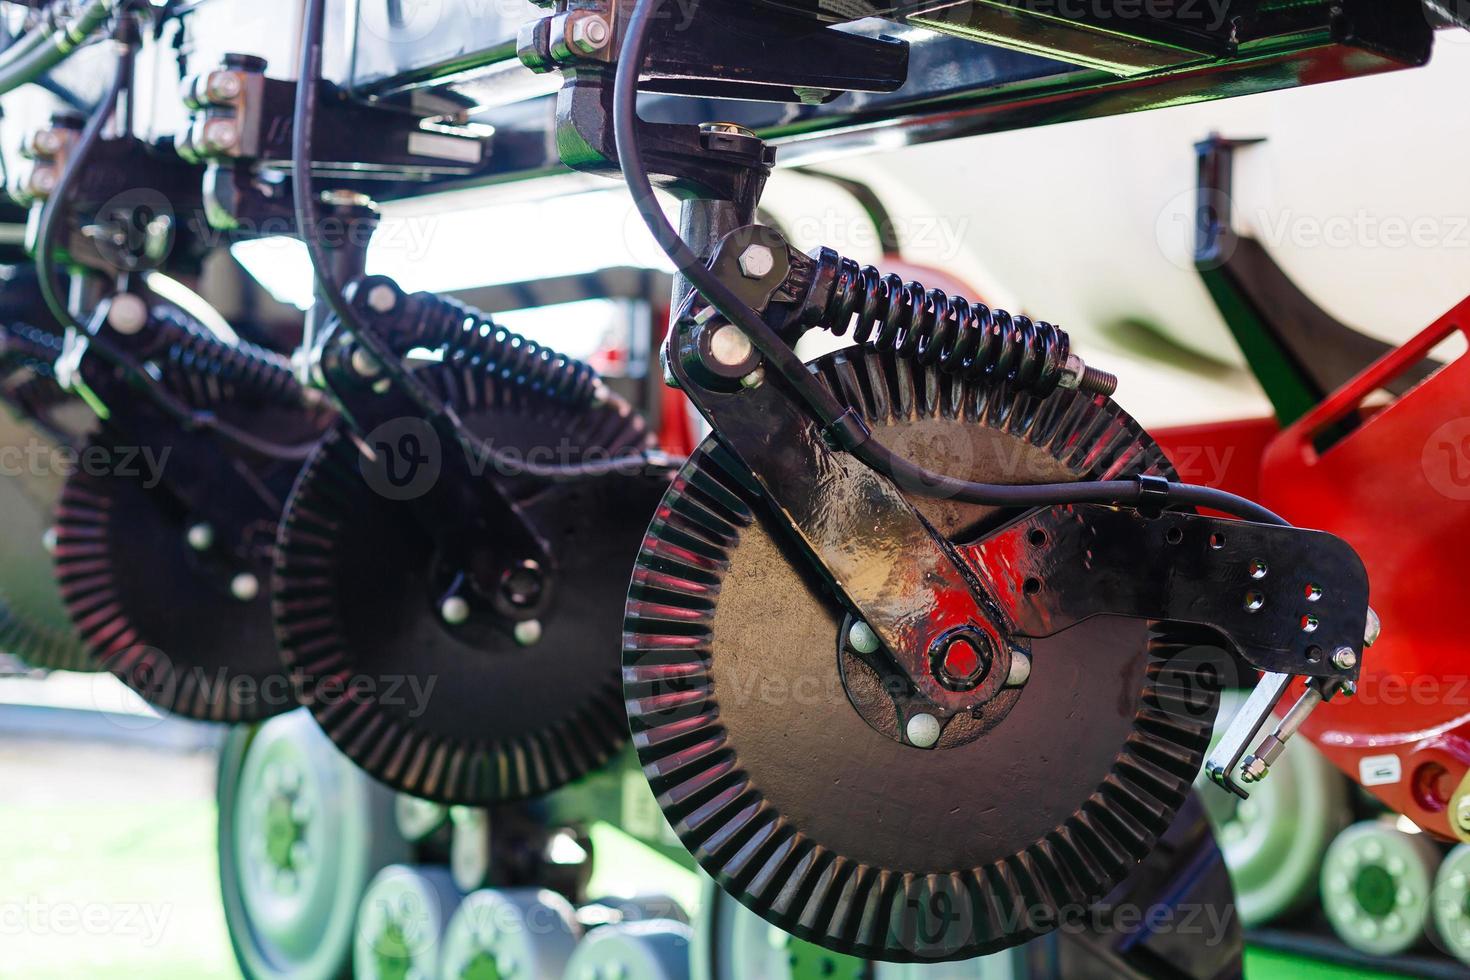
(834, 417)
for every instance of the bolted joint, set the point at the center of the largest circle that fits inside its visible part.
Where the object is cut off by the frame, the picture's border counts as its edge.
(757, 261)
(588, 32)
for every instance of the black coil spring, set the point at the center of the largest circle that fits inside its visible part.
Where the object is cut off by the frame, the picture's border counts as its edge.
(471, 338)
(966, 339)
(199, 363)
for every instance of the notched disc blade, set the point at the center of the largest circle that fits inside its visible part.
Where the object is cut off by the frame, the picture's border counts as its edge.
(454, 715)
(845, 836)
(174, 622)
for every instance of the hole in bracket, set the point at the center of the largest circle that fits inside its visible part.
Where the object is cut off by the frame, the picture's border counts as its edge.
(1258, 569)
(1217, 541)
(1309, 624)
(1174, 535)
(1254, 601)
(1031, 586)
(1314, 655)
(1037, 538)
(1313, 592)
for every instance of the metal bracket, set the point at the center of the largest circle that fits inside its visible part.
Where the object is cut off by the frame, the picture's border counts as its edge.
(1288, 600)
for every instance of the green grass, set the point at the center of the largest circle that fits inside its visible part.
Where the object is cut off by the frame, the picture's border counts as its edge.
(108, 891)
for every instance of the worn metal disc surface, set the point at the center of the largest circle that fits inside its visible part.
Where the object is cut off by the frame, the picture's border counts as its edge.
(464, 716)
(820, 822)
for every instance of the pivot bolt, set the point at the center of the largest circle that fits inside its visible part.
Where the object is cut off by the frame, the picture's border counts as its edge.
(860, 637)
(757, 261)
(923, 731)
(455, 610)
(729, 346)
(1343, 658)
(200, 536)
(962, 662)
(527, 632)
(245, 587)
(382, 298)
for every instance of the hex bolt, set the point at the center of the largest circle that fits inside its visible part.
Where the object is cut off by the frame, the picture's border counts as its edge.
(589, 34)
(527, 632)
(757, 261)
(382, 298)
(127, 314)
(200, 536)
(1343, 658)
(1020, 670)
(922, 731)
(245, 587)
(860, 637)
(729, 346)
(455, 610)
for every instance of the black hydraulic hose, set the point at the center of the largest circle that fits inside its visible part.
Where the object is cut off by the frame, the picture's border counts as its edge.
(849, 430)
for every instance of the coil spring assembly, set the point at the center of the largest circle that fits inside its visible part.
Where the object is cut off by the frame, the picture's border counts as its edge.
(472, 339)
(198, 363)
(966, 339)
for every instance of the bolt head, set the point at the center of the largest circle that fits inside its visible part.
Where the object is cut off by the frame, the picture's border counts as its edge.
(860, 637)
(245, 587)
(754, 379)
(527, 632)
(220, 134)
(923, 731)
(1254, 770)
(455, 610)
(364, 365)
(589, 34)
(46, 142)
(963, 662)
(757, 261)
(1020, 670)
(1343, 658)
(127, 314)
(43, 181)
(223, 86)
(200, 536)
(729, 346)
(382, 298)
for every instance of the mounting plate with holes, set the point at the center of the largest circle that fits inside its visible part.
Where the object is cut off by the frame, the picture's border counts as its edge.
(1289, 600)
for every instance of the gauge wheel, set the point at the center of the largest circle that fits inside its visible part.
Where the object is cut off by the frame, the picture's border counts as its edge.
(301, 833)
